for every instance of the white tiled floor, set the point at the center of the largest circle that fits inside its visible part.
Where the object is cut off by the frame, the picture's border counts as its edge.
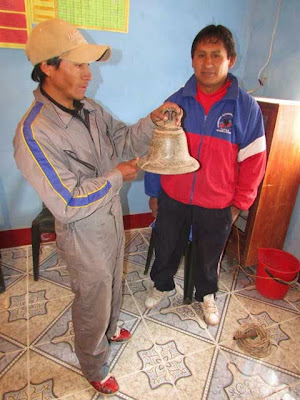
(172, 353)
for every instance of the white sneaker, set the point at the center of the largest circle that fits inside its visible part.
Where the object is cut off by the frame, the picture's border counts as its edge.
(155, 297)
(210, 311)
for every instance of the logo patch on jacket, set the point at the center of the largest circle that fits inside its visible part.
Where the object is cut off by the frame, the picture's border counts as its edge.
(224, 123)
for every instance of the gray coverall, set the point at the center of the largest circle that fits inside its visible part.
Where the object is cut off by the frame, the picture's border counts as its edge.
(74, 173)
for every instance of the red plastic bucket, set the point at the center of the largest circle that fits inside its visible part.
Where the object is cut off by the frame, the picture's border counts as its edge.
(276, 270)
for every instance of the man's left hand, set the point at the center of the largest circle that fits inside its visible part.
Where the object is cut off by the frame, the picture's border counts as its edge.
(159, 115)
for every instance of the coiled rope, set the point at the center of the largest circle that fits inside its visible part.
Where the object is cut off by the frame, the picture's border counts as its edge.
(254, 340)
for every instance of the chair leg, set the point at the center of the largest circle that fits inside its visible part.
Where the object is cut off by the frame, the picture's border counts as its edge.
(188, 275)
(150, 251)
(35, 242)
(2, 283)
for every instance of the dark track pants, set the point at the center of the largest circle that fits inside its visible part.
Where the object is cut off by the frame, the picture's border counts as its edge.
(210, 230)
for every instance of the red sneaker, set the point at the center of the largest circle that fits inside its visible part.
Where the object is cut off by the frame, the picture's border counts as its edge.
(108, 386)
(121, 335)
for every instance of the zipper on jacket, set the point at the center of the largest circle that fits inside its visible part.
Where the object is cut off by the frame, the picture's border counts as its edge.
(114, 150)
(72, 155)
(195, 173)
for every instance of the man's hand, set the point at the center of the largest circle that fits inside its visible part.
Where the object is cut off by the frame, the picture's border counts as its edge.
(129, 169)
(153, 205)
(159, 114)
(235, 213)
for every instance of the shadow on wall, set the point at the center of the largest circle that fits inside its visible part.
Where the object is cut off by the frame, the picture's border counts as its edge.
(4, 212)
(124, 193)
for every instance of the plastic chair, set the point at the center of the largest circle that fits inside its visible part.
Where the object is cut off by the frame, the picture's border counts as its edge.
(150, 249)
(43, 223)
(188, 275)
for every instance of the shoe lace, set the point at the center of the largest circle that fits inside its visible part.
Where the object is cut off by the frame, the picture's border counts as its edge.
(117, 333)
(209, 306)
(156, 294)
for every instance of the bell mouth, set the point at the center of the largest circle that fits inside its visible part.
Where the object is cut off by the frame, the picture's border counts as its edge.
(168, 151)
(165, 168)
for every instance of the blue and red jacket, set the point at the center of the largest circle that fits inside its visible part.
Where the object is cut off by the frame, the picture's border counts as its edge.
(229, 142)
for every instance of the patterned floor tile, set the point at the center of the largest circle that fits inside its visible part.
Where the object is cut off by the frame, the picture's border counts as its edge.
(154, 384)
(136, 258)
(10, 352)
(245, 285)
(59, 330)
(192, 384)
(54, 270)
(44, 289)
(256, 307)
(286, 337)
(235, 312)
(146, 233)
(179, 342)
(134, 272)
(172, 312)
(14, 379)
(87, 394)
(240, 377)
(226, 275)
(283, 336)
(172, 352)
(46, 251)
(48, 378)
(10, 273)
(139, 290)
(14, 324)
(293, 297)
(129, 322)
(16, 257)
(183, 317)
(16, 286)
(129, 361)
(173, 299)
(45, 313)
(134, 296)
(91, 394)
(130, 234)
(136, 245)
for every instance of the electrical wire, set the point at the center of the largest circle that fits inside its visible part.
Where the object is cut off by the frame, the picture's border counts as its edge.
(263, 80)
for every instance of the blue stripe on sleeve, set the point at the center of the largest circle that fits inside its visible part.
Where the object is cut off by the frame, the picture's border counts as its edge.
(48, 170)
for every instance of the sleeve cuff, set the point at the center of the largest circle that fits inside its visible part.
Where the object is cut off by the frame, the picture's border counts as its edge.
(115, 178)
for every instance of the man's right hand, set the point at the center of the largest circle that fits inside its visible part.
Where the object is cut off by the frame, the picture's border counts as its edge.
(153, 205)
(129, 169)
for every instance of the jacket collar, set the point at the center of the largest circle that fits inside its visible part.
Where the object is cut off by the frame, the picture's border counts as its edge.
(190, 88)
(54, 112)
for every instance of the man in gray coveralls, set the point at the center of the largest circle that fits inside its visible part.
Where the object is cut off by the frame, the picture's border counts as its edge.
(67, 146)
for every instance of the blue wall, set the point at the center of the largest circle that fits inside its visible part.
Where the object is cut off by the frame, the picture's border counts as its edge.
(149, 62)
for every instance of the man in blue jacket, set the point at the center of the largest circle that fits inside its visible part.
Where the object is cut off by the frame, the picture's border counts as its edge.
(225, 133)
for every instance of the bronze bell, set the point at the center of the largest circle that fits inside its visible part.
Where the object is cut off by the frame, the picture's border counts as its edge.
(168, 153)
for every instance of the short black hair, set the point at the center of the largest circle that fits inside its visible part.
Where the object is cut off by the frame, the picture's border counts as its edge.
(215, 33)
(38, 75)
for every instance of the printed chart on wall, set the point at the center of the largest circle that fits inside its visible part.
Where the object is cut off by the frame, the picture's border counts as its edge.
(108, 15)
(17, 16)
(15, 23)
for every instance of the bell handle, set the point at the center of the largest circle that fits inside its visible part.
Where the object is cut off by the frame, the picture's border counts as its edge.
(172, 115)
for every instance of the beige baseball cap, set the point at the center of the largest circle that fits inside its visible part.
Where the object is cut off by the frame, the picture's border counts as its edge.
(58, 38)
